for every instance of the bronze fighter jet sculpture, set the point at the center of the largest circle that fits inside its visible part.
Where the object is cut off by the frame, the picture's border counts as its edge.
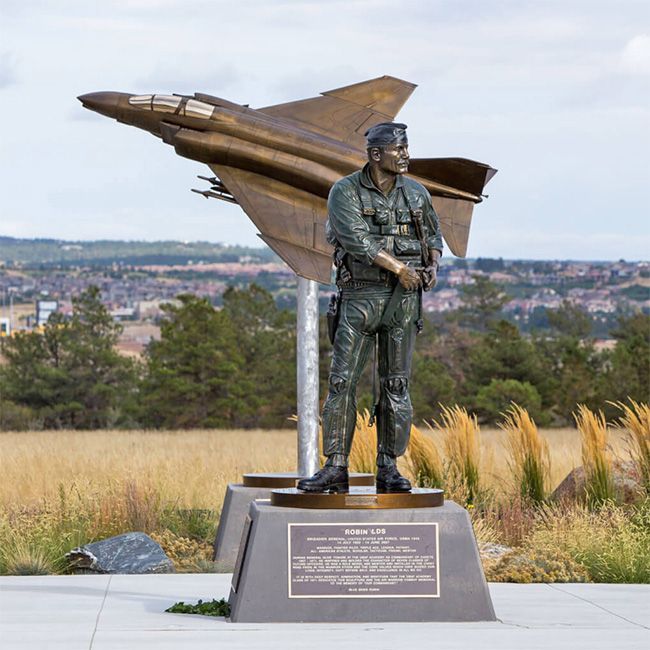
(279, 162)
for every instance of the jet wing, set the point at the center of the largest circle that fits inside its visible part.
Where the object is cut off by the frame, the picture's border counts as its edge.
(292, 221)
(347, 113)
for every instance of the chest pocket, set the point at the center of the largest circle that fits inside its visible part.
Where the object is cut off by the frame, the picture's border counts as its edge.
(377, 215)
(403, 215)
(382, 216)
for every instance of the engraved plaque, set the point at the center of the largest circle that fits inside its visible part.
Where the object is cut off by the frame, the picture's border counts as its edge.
(353, 560)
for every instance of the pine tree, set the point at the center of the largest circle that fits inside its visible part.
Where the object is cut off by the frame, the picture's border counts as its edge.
(70, 374)
(193, 372)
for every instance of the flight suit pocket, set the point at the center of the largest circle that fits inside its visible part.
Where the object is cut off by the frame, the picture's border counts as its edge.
(382, 216)
(407, 247)
(403, 216)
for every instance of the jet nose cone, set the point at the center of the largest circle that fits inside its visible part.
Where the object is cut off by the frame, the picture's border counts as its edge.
(103, 102)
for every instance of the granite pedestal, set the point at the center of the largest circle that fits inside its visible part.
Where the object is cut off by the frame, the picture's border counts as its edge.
(239, 496)
(322, 565)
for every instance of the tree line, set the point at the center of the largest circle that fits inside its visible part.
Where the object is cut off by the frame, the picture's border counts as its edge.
(234, 367)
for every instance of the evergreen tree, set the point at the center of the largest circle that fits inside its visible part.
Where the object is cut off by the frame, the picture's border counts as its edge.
(502, 355)
(627, 367)
(233, 367)
(431, 386)
(266, 339)
(493, 400)
(434, 359)
(572, 361)
(70, 375)
(483, 301)
(570, 320)
(193, 376)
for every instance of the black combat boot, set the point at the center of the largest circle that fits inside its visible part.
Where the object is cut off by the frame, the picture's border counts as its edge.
(390, 480)
(332, 478)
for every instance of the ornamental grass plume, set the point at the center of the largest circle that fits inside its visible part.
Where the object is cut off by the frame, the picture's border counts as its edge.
(529, 459)
(461, 441)
(636, 421)
(423, 460)
(596, 462)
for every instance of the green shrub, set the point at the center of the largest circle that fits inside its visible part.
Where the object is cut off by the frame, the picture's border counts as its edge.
(15, 417)
(612, 543)
(213, 608)
(495, 398)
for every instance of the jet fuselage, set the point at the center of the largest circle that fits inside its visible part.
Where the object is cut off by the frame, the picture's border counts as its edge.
(219, 132)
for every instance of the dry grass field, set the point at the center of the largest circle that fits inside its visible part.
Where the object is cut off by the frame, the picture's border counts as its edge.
(61, 489)
(188, 468)
(192, 468)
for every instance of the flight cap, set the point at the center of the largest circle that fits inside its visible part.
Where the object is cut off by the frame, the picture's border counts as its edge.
(386, 133)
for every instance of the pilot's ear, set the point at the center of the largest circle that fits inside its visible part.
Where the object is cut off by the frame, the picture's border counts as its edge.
(374, 154)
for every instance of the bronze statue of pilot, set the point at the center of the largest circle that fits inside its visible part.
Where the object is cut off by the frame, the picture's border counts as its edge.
(387, 244)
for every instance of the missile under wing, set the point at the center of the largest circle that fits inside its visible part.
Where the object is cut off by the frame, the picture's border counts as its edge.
(279, 162)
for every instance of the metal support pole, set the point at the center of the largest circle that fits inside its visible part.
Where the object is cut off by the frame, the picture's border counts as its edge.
(307, 376)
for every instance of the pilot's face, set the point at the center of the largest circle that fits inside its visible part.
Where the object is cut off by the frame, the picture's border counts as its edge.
(392, 158)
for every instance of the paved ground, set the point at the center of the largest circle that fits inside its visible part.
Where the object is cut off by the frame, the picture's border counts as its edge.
(127, 613)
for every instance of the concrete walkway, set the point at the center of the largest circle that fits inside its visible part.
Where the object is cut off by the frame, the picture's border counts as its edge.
(127, 613)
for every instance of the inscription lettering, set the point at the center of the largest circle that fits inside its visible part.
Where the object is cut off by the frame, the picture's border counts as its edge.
(343, 561)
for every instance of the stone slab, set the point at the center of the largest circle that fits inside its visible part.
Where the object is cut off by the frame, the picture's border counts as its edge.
(261, 587)
(236, 504)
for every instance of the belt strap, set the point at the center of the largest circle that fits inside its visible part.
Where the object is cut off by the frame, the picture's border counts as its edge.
(391, 307)
(397, 229)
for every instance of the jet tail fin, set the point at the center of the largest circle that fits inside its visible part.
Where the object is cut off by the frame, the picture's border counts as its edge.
(455, 215)
(459, 173)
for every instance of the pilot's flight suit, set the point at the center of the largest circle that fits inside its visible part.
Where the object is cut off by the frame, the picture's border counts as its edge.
(361, 222)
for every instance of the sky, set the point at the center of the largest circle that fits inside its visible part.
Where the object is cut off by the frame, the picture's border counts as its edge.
(554, 94)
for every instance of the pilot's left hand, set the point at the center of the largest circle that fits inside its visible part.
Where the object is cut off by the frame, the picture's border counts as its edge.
(430, 277)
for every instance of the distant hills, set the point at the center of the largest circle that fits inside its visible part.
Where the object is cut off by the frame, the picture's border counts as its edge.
(59, 252)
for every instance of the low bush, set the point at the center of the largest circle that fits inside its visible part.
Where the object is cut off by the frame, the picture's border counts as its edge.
(536, 566)
(16, 417)
(188, 555)
(212, 608)
(612, 543)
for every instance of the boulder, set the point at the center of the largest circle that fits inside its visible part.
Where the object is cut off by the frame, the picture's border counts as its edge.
(493, 552)
(625, 478)
(127, 553)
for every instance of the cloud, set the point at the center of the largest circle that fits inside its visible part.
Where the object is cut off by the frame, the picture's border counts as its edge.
(635, 57)
(7, 69)
(560, 244)
(178, 79)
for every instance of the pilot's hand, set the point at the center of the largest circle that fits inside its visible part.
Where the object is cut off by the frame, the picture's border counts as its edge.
(430, 277)
(408, 278)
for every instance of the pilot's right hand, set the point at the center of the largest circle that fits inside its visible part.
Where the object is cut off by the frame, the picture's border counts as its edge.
(408, 278)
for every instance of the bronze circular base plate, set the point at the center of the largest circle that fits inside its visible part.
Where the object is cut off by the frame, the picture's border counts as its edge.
(289, 480)
(358, 498)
